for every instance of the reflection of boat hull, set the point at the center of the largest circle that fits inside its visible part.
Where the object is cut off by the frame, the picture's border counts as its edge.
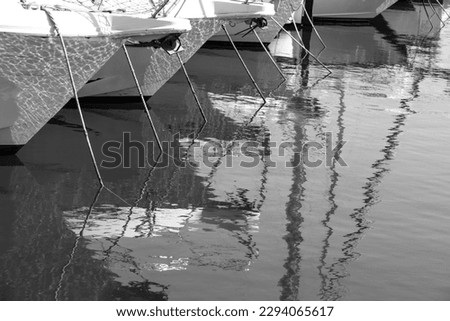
(347, 9)
(196, 230)
(346, 45)
(175, 239)
(420, 22)
(35, 82)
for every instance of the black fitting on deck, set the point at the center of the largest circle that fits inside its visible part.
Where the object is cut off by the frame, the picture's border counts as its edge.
(171, 44)
(259, 22)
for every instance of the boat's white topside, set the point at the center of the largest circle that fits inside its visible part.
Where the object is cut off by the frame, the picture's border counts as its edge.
(79, 22)
(227, 9)
(348, 9)
(192, 9)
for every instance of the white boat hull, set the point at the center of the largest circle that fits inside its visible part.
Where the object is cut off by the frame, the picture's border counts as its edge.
(34, 81)
(283, 15)
(154, 67)
(347, 9)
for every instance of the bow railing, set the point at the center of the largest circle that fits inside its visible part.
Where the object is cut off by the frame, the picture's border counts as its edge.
(153, 7)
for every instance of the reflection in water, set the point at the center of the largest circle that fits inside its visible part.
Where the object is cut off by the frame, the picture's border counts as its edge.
(332, 274)
(330, 288)
(31, 263)
(204, 227)
(43, 260)
(181, 236)
(111, 231)
(371, 188)
(346, 45)
(291, 280)
(75, 246)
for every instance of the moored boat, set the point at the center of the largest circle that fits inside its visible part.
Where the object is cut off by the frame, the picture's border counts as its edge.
(34, 81)
(155, 67)
(284, 12)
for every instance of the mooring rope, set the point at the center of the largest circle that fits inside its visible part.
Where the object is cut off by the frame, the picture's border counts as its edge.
(435, 12)
(299, 37)
(428, 16)
(301, 45)
(100, 5)
(192, 87)
(245, 66)
(144, 102)
(161, 7)
(199, 105)
(312, 24)
(75, 245)
(75, 94)
(270, 56)
(443, 9)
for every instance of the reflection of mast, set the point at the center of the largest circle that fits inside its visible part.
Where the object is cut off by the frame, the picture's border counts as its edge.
(329, 290)
(304, 58)
(336, 271)
(306, 53)
(239, 199)
(290, 282)
(251, 245)
(380, 167)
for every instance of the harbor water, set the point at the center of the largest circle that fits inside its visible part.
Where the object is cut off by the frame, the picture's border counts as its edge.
(337, 188)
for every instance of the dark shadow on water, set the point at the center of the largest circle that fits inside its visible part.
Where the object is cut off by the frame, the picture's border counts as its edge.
(139, 291)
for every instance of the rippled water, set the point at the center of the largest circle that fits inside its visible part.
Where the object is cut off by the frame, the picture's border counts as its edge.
(373, 226)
